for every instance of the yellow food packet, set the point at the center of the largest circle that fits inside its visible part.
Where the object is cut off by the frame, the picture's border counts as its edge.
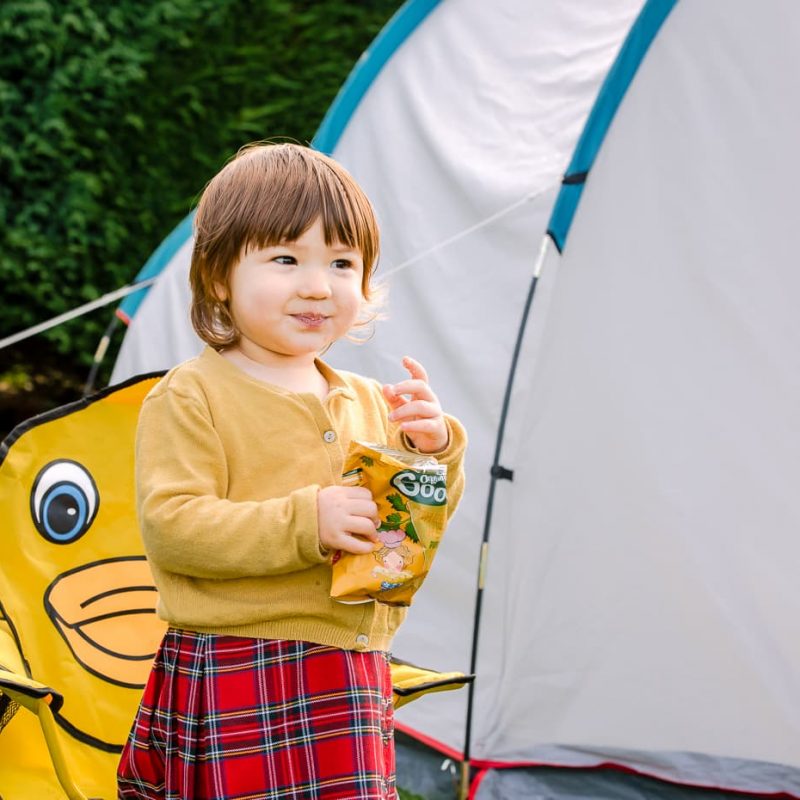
(411, 493)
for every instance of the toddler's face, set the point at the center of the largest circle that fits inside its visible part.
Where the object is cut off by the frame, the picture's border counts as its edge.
(294, 299)
(393, 561)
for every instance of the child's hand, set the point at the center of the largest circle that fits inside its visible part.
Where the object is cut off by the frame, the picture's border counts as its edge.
(421, 417)
(348, 519)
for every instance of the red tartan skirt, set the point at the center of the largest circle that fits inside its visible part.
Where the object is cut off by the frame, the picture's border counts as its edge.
(225, 717)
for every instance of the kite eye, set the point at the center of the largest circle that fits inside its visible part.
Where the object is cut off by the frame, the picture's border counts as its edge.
(63, 501)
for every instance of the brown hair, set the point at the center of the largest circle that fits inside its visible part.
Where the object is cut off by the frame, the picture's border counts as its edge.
(268, 194)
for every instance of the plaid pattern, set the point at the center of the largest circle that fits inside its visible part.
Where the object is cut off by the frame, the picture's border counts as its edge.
(229, 717)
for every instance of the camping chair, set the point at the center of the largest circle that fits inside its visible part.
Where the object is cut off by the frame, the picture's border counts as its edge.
(78, 628)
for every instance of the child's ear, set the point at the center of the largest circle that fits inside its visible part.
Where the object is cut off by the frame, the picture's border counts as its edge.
(220, 291)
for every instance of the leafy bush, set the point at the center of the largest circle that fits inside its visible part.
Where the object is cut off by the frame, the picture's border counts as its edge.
(113, 115)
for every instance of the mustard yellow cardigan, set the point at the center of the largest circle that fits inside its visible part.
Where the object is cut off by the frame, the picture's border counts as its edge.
(227, 472)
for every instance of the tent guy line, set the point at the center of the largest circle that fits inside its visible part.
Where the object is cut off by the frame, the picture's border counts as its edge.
(124, 291)
(527, 198)
(111, 297)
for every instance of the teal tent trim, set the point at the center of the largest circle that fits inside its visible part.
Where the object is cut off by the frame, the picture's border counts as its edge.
(163, 254)
(385, 44)
(615, 85)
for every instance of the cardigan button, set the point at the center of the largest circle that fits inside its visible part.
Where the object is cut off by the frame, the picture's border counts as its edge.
(329, 436)
(362, 640)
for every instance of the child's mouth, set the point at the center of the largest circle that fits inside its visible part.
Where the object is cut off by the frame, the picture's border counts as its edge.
(310, 320)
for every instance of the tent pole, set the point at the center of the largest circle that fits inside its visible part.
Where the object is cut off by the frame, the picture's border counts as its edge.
(463, 789)
(99, 355)
(497, 472)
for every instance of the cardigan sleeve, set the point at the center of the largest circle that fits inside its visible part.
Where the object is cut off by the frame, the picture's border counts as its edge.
(188, 526)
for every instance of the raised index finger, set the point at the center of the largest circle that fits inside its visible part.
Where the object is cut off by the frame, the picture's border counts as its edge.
(415, 369)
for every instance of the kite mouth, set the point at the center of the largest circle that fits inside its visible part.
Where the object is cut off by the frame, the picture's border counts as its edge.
(106, 613)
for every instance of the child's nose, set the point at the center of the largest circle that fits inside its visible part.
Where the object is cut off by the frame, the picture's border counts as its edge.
(315, 283)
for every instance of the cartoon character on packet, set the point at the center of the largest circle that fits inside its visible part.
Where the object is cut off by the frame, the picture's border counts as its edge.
(392, 561)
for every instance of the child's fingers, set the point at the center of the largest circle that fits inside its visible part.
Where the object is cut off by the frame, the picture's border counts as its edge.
(415, 369)
(350, 543)
(416, 408)
(394, 400)
(367, 509)
(429, 425)
(361, 526)
(361, 505)
(358, 493)
(355, 545)
(415, 388)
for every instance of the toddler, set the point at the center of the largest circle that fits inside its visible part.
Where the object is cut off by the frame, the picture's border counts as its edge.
(263, 685)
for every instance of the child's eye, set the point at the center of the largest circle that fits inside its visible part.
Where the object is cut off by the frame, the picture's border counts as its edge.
(284, 259)
(342, 263)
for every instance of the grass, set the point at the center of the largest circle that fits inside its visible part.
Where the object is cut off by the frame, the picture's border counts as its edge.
(408, 795)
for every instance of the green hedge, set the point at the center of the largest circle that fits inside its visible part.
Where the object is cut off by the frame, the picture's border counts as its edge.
(113, 115)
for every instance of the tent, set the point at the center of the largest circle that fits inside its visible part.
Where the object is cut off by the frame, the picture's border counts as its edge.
(587, 215)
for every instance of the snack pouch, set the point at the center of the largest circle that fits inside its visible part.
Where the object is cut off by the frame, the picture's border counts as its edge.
(410, 491)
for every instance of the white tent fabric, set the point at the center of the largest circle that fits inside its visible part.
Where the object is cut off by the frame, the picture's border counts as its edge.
(160, 335)
(486, 132)
(655, 425)
(639, 605)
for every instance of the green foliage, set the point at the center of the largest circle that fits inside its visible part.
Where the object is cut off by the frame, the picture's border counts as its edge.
(113, 115)
(404, 795)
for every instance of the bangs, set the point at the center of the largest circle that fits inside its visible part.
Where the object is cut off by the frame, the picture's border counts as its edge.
(282, 190)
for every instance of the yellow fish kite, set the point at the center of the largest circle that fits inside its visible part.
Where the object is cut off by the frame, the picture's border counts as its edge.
(78, 628)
